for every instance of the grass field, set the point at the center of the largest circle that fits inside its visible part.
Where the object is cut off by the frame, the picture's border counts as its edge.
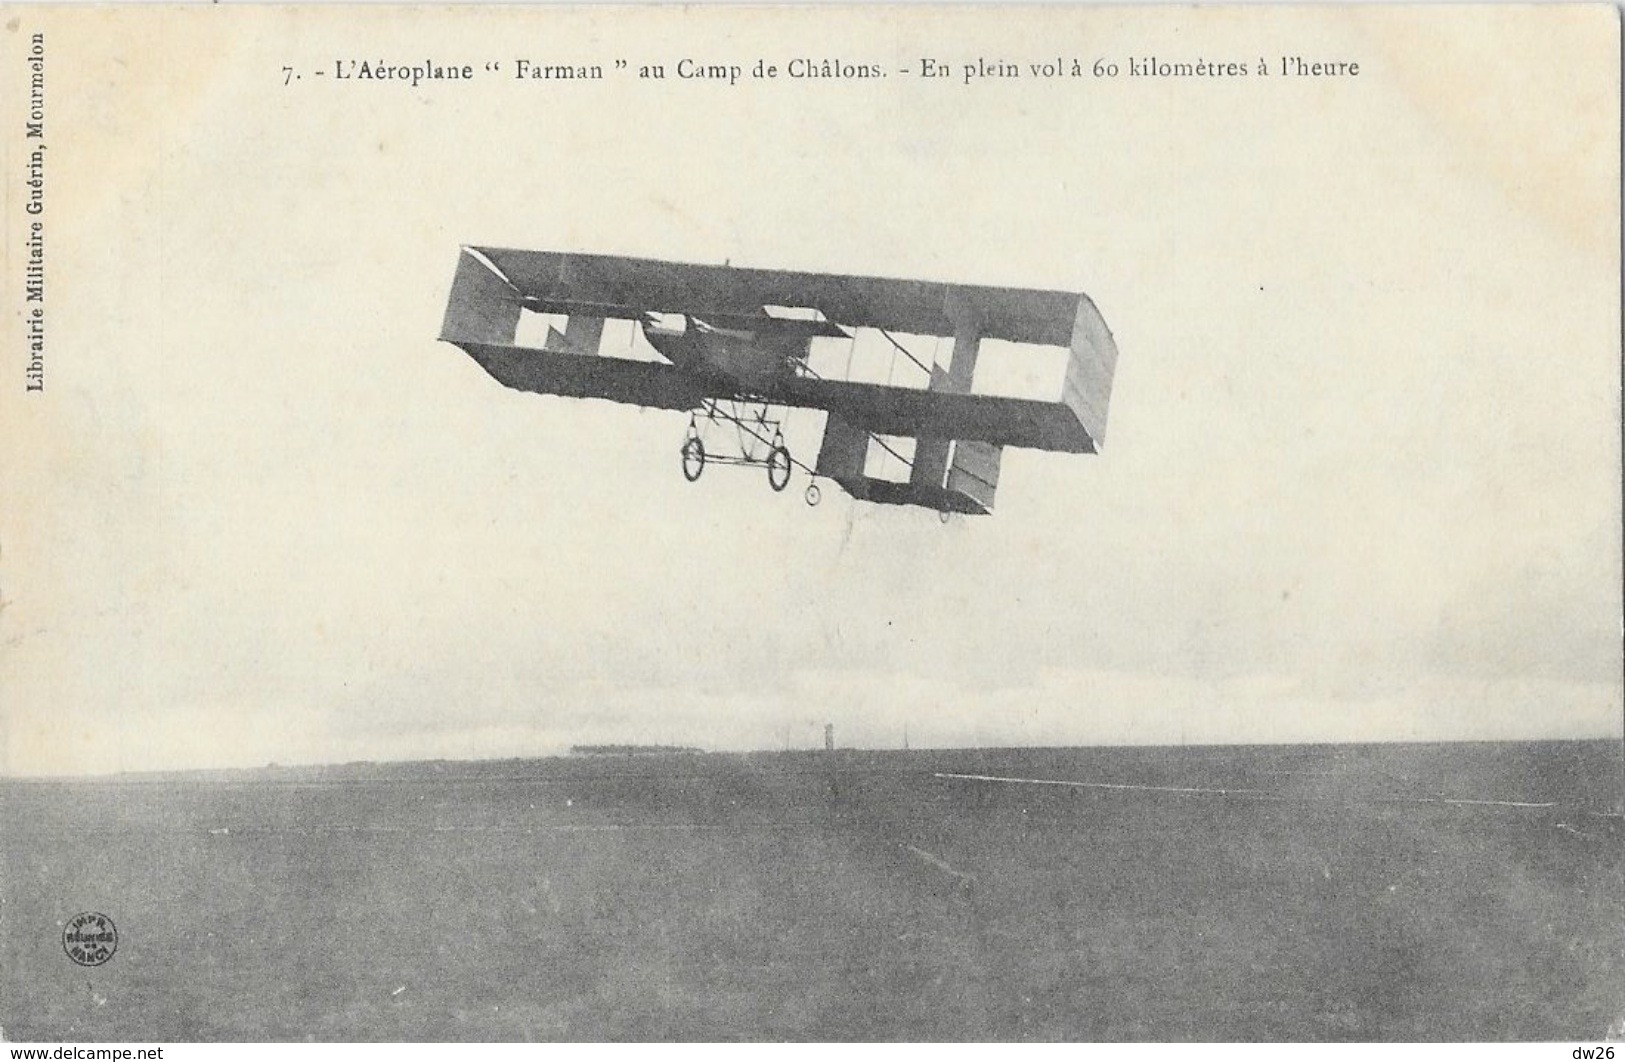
(1249, 893)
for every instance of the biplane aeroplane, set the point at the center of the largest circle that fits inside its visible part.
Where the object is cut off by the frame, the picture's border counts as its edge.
(734, 350)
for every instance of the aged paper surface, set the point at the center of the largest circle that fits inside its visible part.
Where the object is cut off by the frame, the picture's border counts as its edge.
(1361, 482)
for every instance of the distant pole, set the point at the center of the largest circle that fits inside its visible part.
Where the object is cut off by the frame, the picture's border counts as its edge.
(829, 737)
(905, 737)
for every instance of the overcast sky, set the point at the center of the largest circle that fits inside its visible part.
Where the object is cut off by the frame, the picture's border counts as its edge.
(1361, 478)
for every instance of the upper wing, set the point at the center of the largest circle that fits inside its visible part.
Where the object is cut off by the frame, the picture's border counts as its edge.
(626, 287)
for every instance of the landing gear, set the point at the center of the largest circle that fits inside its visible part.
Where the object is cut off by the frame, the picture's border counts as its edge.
(778, 466)
(813, 495)
(693, 458)
(755, 439)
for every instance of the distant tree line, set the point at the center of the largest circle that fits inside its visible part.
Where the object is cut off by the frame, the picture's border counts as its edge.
(633, 750)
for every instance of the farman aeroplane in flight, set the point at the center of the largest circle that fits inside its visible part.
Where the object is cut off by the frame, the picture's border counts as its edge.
(733, 348)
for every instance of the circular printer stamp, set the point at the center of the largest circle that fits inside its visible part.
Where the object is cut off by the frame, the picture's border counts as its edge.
(90, 939)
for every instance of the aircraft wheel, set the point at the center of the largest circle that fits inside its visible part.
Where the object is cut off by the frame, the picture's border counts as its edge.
(693, 459)
(813, 495)
(778, 468)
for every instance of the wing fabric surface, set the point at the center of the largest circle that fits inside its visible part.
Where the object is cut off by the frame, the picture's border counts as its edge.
(638, 383)
(884, 410)
(626, 287)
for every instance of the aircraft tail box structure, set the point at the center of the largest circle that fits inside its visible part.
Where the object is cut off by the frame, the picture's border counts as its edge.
(960, 434)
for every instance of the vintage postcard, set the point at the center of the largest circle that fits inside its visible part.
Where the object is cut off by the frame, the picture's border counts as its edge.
(811, 523)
